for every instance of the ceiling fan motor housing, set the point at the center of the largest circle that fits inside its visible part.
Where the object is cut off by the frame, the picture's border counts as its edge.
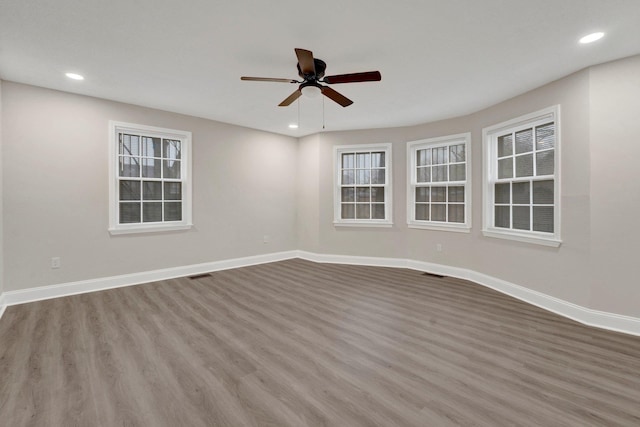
(320, 67)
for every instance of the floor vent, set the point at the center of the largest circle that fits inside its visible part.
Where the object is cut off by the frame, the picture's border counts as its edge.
(199, 276)
(433, 275)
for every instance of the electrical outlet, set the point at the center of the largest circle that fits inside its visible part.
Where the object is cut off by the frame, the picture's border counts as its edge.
(265, 239)
(55, 262)
(439, 247)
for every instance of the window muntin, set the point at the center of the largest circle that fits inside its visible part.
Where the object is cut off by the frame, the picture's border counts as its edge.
(522, 179)
(438, 191)
(150, 186)
(363, 193)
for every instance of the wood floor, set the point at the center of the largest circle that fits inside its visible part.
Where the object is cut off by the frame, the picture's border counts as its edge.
(295, 343)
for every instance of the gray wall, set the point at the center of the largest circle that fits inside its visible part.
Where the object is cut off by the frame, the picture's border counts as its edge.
(592, 267)
(56, 191)
(1, 202)
(615, 185)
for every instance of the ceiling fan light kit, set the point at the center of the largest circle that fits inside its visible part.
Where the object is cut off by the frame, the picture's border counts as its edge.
(312, 70)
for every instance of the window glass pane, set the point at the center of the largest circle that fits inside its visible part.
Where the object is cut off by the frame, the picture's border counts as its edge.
(457, 172)
(438, 194)
(545, 136)
(524, 141)
(456, 153)
(543, 192)
(505, 145)
(424, 174)
(377, 194)
(348, 177)
(377, 176)
(439, 155)
(171, 149)
(363, 160)
(439, 173)
(521, 218)
(362, 176)
(543, 219)
(129, 166)
(363, 194)
(520, 193)
(503, 217)
(348, 161)
(505, 168)
(377, 211)
(130, 145)
(348, 211)
(456, 213)
(544, 163)
(151, 167)
(173, 211)
(151, 147)
(422, 194)
(363, 211)
(377, 160)
(456, 194)
(503, 193)
(152, 190)
(438, 212)
(173, 191)
(423, 157)
(348, 194)
(422, 212)
(152, 211)
(129, 213)
(129, 190)
(171, 169)
(524, 165)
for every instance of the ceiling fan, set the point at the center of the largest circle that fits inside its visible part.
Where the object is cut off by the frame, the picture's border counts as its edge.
(312, 72)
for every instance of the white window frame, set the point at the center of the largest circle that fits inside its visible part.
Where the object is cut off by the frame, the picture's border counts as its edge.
(337, 183)
(115, 228)
(490, 172)
(412, 182)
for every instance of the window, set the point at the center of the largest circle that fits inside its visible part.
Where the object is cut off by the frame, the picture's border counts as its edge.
(521, 178)
(149, 179)
(362, 190)
(439, 190)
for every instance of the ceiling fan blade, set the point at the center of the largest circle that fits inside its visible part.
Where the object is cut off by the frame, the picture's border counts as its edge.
(305, 59)
(295, 95)
(268, 79)
(369, 76)
(336, 96)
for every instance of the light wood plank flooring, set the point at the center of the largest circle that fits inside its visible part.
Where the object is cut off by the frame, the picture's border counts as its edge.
(295, 343)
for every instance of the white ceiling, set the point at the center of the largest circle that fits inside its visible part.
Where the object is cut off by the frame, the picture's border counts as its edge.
(438, 59)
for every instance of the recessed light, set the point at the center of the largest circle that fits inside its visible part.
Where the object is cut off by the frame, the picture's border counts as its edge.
(590, 38)
(74, 76)
(293, 126)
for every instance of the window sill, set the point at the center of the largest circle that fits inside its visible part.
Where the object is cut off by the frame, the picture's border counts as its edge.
(149, 229)
(538, 240)
(363, 224)
(438, 227)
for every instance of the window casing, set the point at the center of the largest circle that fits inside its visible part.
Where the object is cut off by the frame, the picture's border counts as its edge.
(149, 179)
(439, 190)
(362, 194)
(522, 178)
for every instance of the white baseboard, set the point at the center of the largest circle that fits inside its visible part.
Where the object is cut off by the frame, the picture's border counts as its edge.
(3, 305)
(587, 316)
(92, 285)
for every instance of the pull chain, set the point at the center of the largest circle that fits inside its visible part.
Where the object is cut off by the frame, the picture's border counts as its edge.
(323, 112)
